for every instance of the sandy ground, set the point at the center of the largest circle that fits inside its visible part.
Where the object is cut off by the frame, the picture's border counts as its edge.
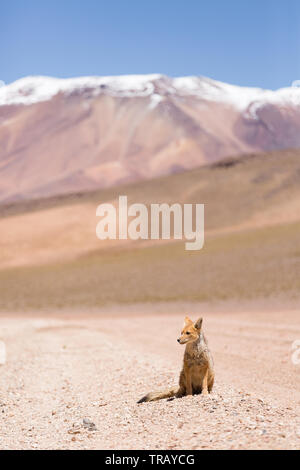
(72, 382)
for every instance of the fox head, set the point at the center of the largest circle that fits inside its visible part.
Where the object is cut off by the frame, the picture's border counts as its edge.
(191, 331)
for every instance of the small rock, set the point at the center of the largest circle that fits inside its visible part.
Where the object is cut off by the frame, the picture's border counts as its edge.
(260, 418)
(74, 431)
(87, 423)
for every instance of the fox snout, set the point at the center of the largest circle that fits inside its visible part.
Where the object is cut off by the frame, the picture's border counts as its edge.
(182, 340)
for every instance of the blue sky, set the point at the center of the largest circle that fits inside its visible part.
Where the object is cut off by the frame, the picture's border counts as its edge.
(245, 42)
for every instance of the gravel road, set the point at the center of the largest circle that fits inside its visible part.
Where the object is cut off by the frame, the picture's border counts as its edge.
(71, 381)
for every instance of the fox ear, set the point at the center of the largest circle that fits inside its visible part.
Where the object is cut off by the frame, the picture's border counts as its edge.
(187, 321)
(198, 324)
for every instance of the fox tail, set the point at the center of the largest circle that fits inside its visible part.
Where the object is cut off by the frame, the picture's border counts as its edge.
(154, 396)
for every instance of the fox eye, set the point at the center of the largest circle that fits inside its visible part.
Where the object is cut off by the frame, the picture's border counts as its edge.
(187, 333)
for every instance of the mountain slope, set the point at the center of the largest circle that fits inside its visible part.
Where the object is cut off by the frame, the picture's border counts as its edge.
(49, 248)
(60, 136)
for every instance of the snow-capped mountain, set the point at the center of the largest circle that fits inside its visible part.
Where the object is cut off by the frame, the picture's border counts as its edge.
(64, 135)
(30, 90)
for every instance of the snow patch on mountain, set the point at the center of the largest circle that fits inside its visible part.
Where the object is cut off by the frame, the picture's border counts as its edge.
(282, 98)
(31, 90)
(155, 99)
(212, 90)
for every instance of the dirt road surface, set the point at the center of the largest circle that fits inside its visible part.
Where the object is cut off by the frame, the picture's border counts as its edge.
(71, 381)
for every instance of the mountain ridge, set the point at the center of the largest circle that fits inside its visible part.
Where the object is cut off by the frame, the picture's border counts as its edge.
(62, 135)
(33, 89)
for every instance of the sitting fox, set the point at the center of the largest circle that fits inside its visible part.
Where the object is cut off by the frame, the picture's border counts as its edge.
(197, 374)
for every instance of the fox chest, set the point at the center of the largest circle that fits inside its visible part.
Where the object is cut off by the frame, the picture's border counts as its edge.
(195, 369)
(195, 361)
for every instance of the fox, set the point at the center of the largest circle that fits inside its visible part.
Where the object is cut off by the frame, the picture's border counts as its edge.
(197, 374)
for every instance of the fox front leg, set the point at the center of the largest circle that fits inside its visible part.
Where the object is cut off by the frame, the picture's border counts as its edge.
(188, 380)
(204, 383)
